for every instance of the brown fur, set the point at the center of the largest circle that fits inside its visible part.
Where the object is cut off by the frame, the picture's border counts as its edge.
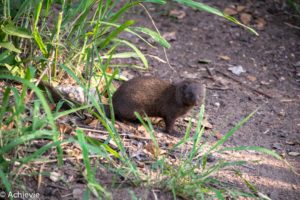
(156, 98)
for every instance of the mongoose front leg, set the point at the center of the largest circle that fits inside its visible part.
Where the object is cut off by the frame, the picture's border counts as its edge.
(170, 121)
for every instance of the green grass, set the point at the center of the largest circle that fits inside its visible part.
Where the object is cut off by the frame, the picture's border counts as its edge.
(37, 43)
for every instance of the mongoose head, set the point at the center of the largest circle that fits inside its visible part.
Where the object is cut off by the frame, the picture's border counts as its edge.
(190, 93)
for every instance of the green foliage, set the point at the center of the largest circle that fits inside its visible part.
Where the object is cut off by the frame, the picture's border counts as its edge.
(74, 30)
(295, 5)
(193, 178)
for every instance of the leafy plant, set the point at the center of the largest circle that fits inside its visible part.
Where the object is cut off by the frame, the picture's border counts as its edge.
(193, 177)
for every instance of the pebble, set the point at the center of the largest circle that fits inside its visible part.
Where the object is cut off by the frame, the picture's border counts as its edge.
(277, 146)
(54, 176)
(237, 70)
(211, 158)
(217, 104)
(294, 153)
(290, 142)
(77, 192)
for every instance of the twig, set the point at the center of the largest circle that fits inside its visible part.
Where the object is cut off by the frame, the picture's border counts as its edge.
(245, 85)
(91, 130)
(40, 177)
(165, 52)
(292, 26)
(135, 137)
(154, 194)
(212, 75)
(288, 100)
(217, 88)
(37, 82)
(64, 159)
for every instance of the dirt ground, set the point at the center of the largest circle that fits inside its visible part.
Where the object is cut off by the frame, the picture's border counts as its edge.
(204, 46)
(271, 81)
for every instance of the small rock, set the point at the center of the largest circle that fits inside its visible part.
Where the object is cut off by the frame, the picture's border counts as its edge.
(281, 78)
(204, 61)
(264, 83)
(211, 158)
(251, 78)
(294, 153)
(218, 135)
(281, 113)
(237, 70)
(54, 176)
(189, 75)
(170, 36)
(294, 187)
(260, 23)
(277, 146)
(290, 142)
(230, 11)
(193, 120)
(217, 104)
(240, 8)
(77, 192)
(246, 18)
(297, 64)
(179, 14)
(282, 135)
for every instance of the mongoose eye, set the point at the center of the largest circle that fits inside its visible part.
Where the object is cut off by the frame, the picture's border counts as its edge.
(184, 86)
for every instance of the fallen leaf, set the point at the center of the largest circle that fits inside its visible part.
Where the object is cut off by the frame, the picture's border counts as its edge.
(245, 18)
(64, 128)
(90, 121)
(179, 14)
(294, 153)
(251, 78)
(150, 147)
(217, 135)
(206, 124)
(230, 11)
(240, 8)
(54, 176)
(260, 23)
(142, 129)
(237, 70)
(109, 70)
(223, 57)
(170, 36)
(170, 145)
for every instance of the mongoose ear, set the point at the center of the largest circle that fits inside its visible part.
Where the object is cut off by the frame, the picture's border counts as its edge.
(184, 86)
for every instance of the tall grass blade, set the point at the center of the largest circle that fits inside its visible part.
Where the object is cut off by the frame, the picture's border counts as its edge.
(114, 33)
(204, 7)
(254, 148)
(45, 106)
(5, 181)
(12, 30)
